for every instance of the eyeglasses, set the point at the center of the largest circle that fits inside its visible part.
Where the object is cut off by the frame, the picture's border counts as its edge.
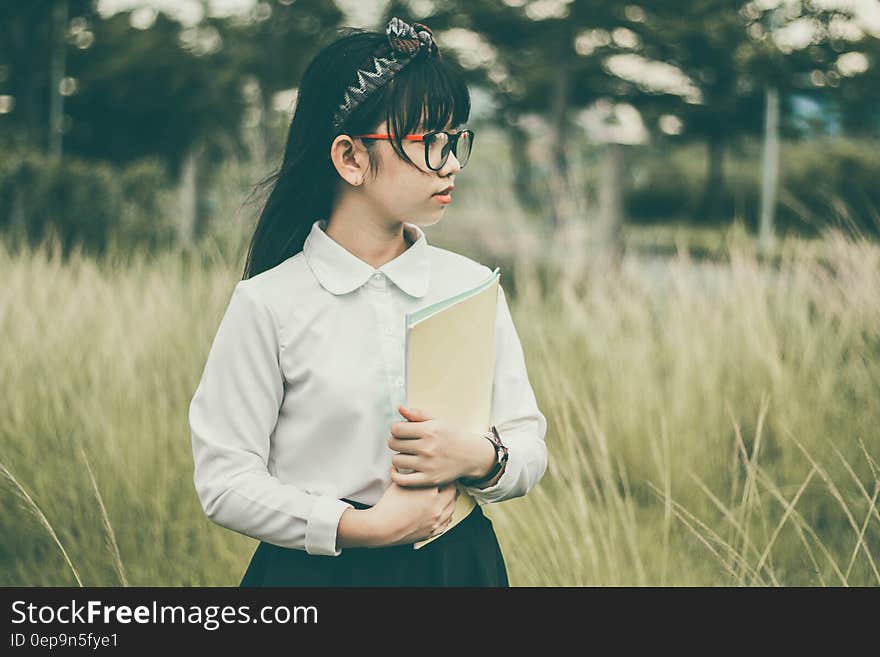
(438, 145)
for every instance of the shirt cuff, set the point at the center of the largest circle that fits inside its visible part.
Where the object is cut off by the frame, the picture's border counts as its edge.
(323, 526)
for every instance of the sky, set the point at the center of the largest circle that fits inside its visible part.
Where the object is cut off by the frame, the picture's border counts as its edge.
(189, 12)
(365, 14)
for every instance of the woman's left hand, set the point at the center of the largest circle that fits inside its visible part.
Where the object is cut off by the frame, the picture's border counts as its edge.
(438, 451)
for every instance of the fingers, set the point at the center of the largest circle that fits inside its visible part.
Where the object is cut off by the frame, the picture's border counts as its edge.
(450, 505)
(454, 498)
(442, 528)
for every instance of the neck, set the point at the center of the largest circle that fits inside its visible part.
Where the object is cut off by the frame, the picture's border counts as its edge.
(373, 239)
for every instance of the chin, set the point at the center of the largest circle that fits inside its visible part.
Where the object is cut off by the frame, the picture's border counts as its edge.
(428, 221)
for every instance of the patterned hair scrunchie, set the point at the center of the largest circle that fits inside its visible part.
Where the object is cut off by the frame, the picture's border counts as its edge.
(404, 44)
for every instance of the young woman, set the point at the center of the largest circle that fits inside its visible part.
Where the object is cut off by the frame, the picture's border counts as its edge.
(297, 424)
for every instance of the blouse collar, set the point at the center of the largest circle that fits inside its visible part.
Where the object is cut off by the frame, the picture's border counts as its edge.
(340, 271)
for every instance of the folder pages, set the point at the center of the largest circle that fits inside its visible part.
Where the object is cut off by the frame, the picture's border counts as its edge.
(450, 367)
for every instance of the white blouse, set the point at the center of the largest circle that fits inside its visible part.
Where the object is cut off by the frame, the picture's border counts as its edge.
(302, 381)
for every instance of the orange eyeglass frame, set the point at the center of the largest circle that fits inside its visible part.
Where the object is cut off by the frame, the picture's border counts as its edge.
(453, 142)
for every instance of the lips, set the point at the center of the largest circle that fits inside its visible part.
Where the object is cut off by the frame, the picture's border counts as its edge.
(444, 192)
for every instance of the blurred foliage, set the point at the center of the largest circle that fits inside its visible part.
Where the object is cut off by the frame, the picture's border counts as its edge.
(827, 181)
(143, 94)
(27, 35)
(554, 59)
(84, 203)
(141, 85)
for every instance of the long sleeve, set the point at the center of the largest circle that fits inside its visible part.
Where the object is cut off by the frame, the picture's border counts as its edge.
(515, 413)
(232, 417)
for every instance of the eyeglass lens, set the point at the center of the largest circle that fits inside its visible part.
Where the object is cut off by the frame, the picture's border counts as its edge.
(440, 146)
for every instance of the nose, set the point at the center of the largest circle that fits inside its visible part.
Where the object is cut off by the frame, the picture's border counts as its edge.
(452, 165)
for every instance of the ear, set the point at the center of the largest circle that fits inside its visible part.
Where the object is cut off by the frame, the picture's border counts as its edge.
(350, 158)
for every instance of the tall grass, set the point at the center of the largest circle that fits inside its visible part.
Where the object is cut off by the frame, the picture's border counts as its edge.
(709, 424)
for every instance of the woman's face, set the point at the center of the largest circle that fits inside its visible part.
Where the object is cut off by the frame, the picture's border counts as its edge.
(404, 192)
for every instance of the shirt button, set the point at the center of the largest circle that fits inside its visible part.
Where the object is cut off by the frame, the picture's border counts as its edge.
(399, 382)
(377, 277)
(388, 330)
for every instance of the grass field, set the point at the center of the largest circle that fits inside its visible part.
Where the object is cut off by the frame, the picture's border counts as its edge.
(709, 424)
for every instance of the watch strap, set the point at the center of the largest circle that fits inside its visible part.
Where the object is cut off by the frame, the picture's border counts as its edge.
(501, 455)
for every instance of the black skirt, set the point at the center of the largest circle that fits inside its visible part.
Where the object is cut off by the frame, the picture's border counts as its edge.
(466, 555)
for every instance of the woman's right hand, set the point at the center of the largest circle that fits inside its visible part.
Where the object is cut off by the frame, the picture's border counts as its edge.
(410, 514)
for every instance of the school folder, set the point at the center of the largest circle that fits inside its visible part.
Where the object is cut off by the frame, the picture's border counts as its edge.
(450, 367)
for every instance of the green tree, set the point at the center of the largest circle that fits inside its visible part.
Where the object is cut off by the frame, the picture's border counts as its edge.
(273, 44)
(727, 49)
(857, 95)
(28, 41)
(153, 92)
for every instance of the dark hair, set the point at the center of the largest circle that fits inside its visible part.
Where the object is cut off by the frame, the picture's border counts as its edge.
(303, 187)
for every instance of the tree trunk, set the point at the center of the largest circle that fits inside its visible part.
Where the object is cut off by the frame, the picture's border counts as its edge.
(769, 169)
(560, 206)
(263, 128)
(188, 193)
(523, 171)
(56, 74)
(713, 195)
(608, 230)
(18, 224)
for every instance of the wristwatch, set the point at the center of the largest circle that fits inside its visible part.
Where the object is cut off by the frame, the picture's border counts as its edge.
(501, 455)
